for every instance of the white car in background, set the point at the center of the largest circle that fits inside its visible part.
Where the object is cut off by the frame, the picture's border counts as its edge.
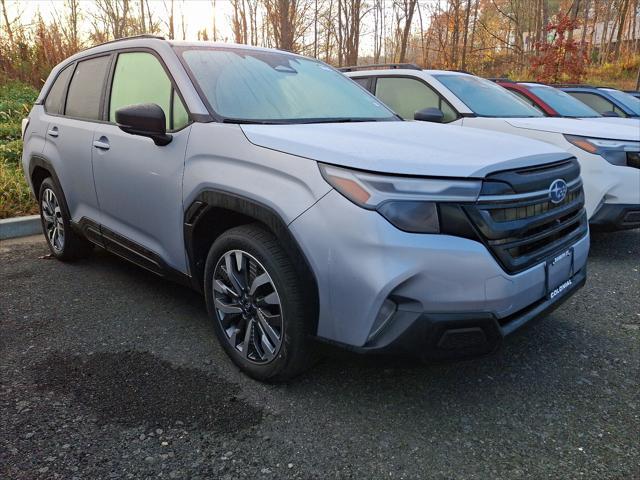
(609, 154)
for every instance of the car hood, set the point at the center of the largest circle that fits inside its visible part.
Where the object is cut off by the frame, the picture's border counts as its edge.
(583, 127)
(410, 148)
(634, 122)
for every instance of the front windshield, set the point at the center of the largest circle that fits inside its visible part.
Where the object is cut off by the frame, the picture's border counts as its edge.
(485, 98)
(562, 102)
(246, 85)
(629, 101)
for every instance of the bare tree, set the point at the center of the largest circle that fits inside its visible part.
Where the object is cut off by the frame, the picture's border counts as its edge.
(68, 22)
(288, 21)
(115, 16)
(407, 8)
(350, 19)
(170, 21)
(7, 23)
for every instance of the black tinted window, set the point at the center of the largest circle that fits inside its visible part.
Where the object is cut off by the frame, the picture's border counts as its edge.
(364, 82)
(85, 91)
(55, 98)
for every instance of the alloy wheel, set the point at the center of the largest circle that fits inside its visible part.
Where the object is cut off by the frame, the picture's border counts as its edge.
(53, 223)
(248, 306)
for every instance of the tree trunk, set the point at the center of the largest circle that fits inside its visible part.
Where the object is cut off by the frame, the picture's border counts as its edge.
(463, 63)
(623, 17)
(7, 23)
(410, 8)
(574, 16)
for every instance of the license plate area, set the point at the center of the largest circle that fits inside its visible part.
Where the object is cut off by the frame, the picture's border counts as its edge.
(559, 272)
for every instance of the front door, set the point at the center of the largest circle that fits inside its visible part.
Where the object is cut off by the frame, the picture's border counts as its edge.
(139, 184)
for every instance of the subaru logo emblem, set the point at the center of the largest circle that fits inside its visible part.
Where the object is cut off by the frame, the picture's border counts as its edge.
(557, 191)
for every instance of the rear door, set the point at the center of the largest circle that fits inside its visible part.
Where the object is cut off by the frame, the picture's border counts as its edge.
(72, 119)
(139, 184)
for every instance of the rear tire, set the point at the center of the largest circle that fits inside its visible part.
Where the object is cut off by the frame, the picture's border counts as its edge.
(255, 298)
(64, 243)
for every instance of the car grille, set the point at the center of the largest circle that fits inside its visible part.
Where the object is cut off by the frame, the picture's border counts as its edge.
(523, 227)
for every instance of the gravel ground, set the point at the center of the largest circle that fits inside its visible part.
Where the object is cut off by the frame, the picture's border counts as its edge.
(109, 372)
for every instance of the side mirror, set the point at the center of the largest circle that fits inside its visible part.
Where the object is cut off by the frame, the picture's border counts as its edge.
(146, 120)
(609, 114)
(431, 114)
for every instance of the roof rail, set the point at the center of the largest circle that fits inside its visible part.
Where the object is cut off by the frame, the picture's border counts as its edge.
(133, 37)
(392, 66)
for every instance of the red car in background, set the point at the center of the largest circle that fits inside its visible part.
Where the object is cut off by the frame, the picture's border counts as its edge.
(554, 102)
(550, 101)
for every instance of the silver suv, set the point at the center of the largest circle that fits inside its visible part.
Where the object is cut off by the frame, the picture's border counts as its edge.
(300, 205)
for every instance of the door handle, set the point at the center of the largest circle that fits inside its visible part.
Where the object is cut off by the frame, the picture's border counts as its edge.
(102, 143)
(53, 132)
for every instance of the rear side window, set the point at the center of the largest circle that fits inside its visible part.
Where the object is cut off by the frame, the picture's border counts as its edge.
(598, 103)
(406, 96)
(85, 90)
(140, 78)
(54, 103)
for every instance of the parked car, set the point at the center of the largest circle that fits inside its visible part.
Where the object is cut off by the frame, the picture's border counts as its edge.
(609, 155)
(553, 102)
(299, 204)
(633, 93)
(605, 100)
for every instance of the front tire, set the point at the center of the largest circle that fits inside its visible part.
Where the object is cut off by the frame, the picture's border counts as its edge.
(256, 302)
(65, 244)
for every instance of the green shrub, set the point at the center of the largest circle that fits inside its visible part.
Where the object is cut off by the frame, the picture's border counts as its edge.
(11, 152)
(9, 132)
(15, 195)
(16, 100)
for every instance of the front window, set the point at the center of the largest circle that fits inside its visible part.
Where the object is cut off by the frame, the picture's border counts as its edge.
(257, 86)
(140, 78)
(406, 96)
(629, 101)
(562, 102)
(485, 98)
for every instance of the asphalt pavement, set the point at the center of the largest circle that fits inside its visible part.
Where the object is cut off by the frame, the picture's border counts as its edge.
(107, 371)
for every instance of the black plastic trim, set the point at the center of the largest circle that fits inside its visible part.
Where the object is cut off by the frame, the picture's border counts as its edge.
(211, 198)
(129, 250)
(612, 217)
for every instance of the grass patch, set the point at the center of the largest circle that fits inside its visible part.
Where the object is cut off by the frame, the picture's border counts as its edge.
(16, 100)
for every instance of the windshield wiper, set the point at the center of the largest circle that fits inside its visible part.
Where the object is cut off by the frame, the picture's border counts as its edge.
(294, 121)
(342, 120)
(248, 121)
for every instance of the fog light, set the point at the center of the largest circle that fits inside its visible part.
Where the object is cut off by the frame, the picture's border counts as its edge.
(384, 315)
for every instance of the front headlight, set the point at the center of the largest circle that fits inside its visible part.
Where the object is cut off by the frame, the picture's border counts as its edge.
(409, 203)
(616, 152)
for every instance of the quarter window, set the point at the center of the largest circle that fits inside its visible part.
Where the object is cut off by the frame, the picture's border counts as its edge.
(85, 90)
(363, 82)
(140, 78)
(406, 96)
(54, 103)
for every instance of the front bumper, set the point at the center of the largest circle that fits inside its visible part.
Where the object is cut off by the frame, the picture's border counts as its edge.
(438, 282)
(611, 217)
(459, 336)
